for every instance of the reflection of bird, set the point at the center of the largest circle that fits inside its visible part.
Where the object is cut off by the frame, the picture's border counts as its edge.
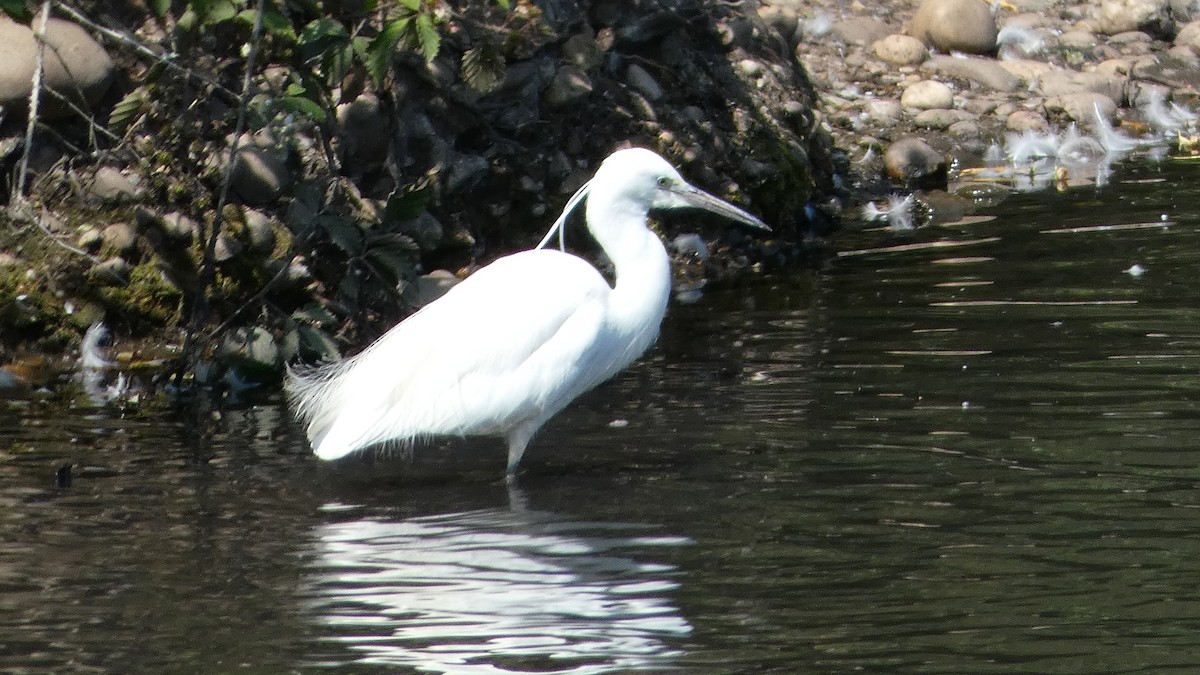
(510, 346)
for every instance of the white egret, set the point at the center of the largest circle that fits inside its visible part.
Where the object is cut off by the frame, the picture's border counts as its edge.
(505, 350)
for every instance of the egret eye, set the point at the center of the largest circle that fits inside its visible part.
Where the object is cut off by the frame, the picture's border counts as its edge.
(664, 182)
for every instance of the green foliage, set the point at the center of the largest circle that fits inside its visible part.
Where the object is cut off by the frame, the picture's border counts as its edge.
(212, 12)
(160, 7)
(273, 23)
(127, 109)
(16, 10)
(406, 204)
(483, 67)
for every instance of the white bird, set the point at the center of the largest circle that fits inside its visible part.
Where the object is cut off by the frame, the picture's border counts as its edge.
(505, 350)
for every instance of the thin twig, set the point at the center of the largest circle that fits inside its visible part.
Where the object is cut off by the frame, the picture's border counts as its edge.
(34, 98)
(208, 268)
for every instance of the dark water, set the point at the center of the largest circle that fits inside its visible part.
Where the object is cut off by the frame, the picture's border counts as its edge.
(966, 449)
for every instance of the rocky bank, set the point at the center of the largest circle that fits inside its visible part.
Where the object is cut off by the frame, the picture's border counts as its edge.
(362, 187)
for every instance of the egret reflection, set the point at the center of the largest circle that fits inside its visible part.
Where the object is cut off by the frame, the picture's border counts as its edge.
(495, 591)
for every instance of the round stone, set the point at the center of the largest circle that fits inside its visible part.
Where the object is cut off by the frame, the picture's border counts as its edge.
(912, 160)
(926, 95)
(901, 50)
(955, 25)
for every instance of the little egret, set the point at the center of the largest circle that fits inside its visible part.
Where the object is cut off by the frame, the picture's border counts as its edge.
(500, 353)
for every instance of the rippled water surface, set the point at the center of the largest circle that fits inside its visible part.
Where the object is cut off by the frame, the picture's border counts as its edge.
(966, 449)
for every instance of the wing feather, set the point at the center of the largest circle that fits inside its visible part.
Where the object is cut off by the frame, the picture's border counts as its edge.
(511, 339)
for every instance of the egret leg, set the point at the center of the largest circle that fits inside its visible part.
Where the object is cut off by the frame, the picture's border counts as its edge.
(517, 440)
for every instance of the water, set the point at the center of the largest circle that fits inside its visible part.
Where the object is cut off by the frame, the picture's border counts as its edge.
(967, 449)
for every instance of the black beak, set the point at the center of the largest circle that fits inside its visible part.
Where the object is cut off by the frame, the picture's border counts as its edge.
(697, 198)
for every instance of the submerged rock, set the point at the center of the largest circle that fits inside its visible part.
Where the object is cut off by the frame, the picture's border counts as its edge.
(912, 161)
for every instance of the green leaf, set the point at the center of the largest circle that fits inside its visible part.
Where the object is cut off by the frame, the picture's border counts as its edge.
(186, 23)
(303, 106)
(128, 108)
(379, 52)
(336, 64)
(504, 4)
(483, 68)
(212, 12)
(392, 261)
(314, 314)
(343, 232)
(318, 35)
(16, 10)
(404, 205)
(273, 22)
(411, 5)
(159, 7)
(428, 38)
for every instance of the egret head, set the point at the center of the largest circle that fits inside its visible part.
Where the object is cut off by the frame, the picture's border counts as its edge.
(645, 178)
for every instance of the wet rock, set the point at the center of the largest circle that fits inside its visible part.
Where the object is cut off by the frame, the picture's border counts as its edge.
(735, 33)
(1077, 39)
(259, 231)
(581, 51)
(1064, 82)
(434, 285)
(426, 230)
(649, 27)
(1081, 107)
(955, 25)
(74, 64)
(783, 18)
(120, 237)
(927, 94)
(180, 227)
(173, 225)
(1185, 10)
(253, 347)
(644, 82)
(1189, 36)
(1028, 71)
(443, 70)
(260, 174)
(111, 272)
(860, 30)
(227, 248)
(967, 128)
(912, 161)
(114, 187)
(1151, 16)
(465, 172)
(884, 111)
(1026, 120)
(363, 129)
(751, 68)
(642, 107)
(940, 119)
(985, 72)
(90, 240)
(901, 50)
(569, 85)
(9, 381)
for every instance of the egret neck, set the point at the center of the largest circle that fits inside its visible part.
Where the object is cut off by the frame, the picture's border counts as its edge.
(642, 266)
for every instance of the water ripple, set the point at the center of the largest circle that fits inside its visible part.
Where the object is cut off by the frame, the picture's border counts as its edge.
(492, 591)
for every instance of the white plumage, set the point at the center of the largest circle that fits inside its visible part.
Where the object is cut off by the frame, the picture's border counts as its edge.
(510, 346)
